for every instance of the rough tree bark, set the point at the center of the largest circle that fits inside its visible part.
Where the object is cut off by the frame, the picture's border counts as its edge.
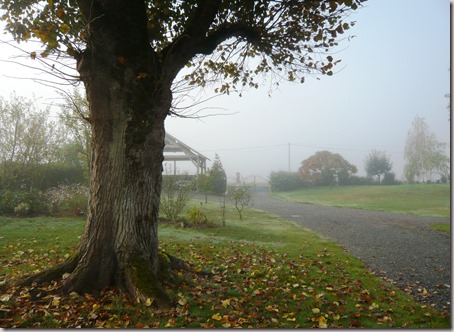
(129, 100)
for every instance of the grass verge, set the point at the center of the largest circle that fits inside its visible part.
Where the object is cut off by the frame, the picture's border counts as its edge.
(444, 228)
(422, 199)
(258, 272)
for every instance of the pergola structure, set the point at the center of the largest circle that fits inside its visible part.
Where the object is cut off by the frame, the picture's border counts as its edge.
(176, 150)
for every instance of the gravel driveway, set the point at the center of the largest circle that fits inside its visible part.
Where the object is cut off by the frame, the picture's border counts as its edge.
(402, 248)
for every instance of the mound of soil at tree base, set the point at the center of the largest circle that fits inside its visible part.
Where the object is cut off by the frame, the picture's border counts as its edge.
(401, 248)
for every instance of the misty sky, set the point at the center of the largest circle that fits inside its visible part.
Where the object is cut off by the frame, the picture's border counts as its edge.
(397, 67)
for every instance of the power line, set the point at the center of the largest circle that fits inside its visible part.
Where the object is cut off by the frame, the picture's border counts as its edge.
(245, 148)
(333, 147)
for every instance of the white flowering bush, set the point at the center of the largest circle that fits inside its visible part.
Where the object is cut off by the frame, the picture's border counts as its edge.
(22, 209)
(71, 198)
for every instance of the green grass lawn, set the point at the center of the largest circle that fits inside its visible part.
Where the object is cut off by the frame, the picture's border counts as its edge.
(444, 228)
(423, 199)
(258, 272)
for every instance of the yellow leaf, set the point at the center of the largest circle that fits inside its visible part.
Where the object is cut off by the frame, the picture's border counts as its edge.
(96, 306)
(316, 310)
(226, 325)
(318, 296)
(225, 303)
(216, 317)
(322, 323)
(5, 298)
(373, 306)
(182, 301)
(148, 302)
(64, 28)
(53, 43)
(73, 295)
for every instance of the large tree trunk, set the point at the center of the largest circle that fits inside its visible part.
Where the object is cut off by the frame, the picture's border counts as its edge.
(128, 87)
(120, 237)
(129, 100)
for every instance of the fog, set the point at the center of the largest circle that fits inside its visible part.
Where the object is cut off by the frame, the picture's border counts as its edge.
(395, 68)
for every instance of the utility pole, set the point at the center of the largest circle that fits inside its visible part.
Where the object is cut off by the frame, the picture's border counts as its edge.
(289, 157)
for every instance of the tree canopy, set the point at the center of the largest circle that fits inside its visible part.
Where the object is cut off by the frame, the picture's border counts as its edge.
(377, 164)
(326, 168)
(424, 155)
(285, 39)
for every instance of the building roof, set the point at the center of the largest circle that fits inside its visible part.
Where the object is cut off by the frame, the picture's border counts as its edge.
(175, 150)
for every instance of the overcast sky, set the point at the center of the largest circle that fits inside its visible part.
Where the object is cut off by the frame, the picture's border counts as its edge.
(396, 68)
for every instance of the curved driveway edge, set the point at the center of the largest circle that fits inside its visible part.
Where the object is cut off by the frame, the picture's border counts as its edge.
(402, 248)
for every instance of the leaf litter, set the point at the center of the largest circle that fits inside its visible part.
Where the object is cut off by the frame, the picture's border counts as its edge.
(230, 284)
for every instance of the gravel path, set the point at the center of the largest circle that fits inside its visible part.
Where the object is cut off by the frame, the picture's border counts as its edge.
(401, 248)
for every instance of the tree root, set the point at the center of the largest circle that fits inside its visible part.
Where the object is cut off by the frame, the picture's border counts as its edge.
(144, 285)
(138, 278)
(47, 276)
(174, 263)
(52, 274)
(147, 286)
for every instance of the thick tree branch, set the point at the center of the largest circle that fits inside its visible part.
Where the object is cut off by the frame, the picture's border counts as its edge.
(226, 31)
(182, 52)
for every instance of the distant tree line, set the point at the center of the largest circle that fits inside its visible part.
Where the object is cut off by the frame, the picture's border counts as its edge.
(425, 159)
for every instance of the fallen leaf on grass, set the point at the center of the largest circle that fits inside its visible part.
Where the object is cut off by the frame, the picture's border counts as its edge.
(5, 298)
(322, 322)
(225, 303)
(216, 317)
